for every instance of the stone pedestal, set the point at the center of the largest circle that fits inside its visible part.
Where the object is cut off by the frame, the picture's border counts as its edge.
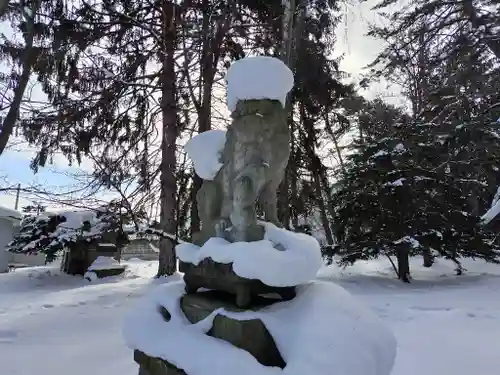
(249, 335)
(321, 331)
(154, 366)
(100, 274)
(251, 163)
(219, 276)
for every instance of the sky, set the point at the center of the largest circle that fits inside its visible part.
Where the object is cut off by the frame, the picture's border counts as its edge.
(357, 49)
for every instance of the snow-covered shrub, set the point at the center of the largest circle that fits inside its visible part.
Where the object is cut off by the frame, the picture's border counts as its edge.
(51, 232)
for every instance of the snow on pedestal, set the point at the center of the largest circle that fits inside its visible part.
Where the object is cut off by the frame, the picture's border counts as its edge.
(298, 262)
(260, 77)
(205, 151)
(323, 331)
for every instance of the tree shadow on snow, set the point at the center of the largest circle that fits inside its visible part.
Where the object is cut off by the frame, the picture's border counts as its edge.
(51, 279)
(389, 283)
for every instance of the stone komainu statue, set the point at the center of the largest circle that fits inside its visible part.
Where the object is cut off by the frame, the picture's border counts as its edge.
(254, 159)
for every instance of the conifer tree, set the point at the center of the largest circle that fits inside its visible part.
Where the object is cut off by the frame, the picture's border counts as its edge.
(50, 233)
(395, 202)
(443, 57)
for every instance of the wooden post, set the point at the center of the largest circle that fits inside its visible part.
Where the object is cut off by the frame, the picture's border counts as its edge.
(17, 196)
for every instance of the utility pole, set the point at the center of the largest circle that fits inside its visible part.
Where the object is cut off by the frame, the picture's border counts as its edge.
(17, 196)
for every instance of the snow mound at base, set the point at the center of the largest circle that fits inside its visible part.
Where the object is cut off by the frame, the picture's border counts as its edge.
(323, 331)
(298, 263)
(205, 151)
(259, 77)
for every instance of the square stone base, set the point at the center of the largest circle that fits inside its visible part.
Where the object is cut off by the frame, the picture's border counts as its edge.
(154, 366)
(220, 276)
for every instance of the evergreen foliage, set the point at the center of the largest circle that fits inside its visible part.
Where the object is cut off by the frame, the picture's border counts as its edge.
(50, 233)
(417, 183)
(126, 80)
(397, 199)
(102, 68)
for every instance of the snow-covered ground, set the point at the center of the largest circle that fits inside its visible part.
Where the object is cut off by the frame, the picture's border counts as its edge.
(57, 324)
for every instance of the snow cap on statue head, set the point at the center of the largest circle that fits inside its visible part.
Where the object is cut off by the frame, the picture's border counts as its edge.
(259, 77)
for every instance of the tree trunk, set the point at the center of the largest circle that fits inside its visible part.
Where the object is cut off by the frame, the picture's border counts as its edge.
(361, 134)
(284, 200)
(204, 107)
(403, 263)
(183, 197)
(317, 173)
(287, 31)
(29, 57)
(428, 258)
(288, 53)
(327, 190)
(293, 179)
(421, 84)
(210, 55)
(283, 191)
(195, 216)
(339, 155)
(285, 52)
(473, 203)
(292, 61)
(204, 124)
(4, 5)
(329, 129)
(322, 209)
(77, 260)
(167, 260)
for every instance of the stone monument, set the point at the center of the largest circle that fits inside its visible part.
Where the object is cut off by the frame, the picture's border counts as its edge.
(253, 162)
(237, 308)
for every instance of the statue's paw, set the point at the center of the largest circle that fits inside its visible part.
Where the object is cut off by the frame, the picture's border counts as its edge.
(222, 227)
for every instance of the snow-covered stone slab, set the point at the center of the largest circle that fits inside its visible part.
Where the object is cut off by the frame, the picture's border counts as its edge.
(323, 331)
(103, 267)
(259, 77)
(298, 263)
(205, 150)
(104, 263)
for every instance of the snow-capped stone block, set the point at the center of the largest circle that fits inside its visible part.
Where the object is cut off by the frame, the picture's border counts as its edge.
(298, 262)
(104, 263)
(103, 267)
(205, 150)
(259, 77)
(323, 330)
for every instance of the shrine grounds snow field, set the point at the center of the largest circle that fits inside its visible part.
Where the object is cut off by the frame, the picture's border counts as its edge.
(54, 324)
